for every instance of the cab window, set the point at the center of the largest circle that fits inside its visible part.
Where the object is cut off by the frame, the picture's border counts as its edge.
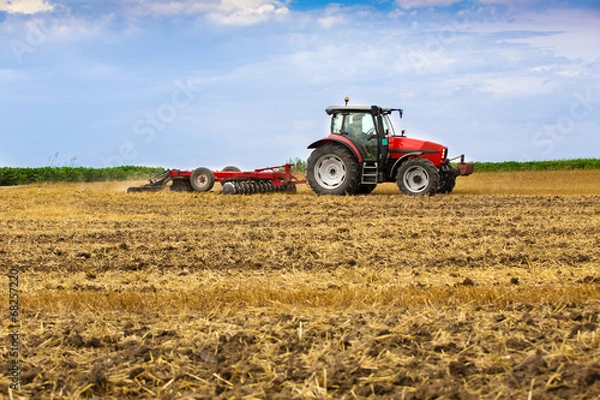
(388, 128)
(337, 123)
(357, 124)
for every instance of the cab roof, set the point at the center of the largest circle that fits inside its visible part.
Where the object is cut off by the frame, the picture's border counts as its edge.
(364, 109)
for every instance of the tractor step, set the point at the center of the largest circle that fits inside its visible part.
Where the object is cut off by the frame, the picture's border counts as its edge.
(369, 173)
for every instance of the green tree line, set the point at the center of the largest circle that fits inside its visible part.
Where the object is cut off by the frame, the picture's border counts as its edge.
(508, 166)
(10, 176)
(515, 166)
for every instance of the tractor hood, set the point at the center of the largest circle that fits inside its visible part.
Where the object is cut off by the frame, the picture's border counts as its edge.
(407, 145)
(401, 147)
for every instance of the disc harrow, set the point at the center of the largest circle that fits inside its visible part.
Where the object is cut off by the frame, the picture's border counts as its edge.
(255, 186)
(233, 181)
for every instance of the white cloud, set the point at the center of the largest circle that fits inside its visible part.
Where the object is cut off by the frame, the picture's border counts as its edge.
(408, 4)
(246, 12)
(572, 45)
(185, 7)
(516, 86)
(25, 6)
(328, 22)
(333, 15)
(565, 33)
(227, 12)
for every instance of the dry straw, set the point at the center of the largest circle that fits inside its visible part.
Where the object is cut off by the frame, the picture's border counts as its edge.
(491, 292)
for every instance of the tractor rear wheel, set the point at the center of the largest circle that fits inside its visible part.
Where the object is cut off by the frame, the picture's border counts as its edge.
(418, 177)
(202, 179)
(332, 169)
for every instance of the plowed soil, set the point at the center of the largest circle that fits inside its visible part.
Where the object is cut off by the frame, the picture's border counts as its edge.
(490, 292)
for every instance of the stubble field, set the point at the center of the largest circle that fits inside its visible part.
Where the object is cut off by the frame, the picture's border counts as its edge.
(490, 292)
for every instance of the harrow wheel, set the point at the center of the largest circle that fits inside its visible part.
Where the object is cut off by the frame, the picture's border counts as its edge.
(231, 168)
(202, 179)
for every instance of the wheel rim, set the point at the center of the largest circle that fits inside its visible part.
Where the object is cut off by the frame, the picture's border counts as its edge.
(330, 171)
(416, 179)
(201, 180)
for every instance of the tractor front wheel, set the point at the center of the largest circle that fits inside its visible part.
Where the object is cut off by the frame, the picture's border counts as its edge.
(202, 179)
(332, 169)
(448, 185)
(418, 177)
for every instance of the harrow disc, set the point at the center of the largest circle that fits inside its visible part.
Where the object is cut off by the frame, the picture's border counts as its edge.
(253, 187)
(262, 188)
(256, 186)
(229, 188)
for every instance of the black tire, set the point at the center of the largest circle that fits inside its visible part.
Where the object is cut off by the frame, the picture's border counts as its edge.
(202, 179)
(448, 176)
(231, 168)
(180, 185)
(418, 177)
(448, 185)
(364, 188)
(332, 169)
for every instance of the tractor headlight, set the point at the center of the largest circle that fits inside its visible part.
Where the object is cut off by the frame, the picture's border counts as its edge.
(444, 153)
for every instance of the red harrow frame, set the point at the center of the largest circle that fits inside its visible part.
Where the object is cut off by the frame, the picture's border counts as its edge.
(233, 181)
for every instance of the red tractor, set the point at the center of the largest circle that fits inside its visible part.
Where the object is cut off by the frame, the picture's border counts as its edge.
(363, 150)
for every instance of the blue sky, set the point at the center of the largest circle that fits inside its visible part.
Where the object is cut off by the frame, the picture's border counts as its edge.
(182, 83)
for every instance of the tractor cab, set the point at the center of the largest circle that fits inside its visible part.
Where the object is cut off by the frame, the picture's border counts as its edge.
(367, 127)
(359, 126)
